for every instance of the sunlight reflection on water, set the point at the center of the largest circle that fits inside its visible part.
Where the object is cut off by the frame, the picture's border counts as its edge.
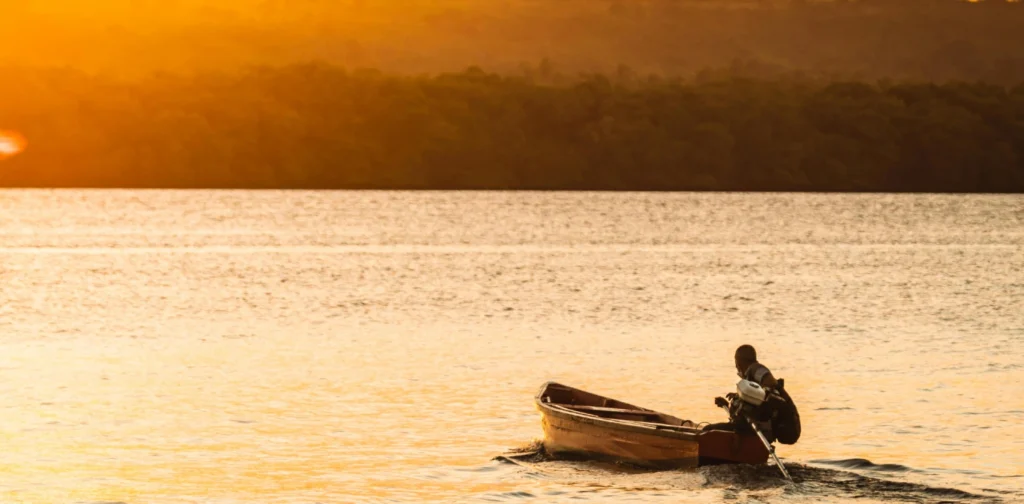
(162, 346)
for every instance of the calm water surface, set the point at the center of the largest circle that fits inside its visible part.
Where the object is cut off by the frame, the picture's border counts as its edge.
(300, 347)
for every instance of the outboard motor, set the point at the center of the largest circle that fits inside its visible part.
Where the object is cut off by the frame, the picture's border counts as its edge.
(749, 397)
(746, 407)
(748, 402)
(766, 405)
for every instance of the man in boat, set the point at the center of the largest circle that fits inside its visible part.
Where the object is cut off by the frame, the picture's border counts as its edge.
(748, 368)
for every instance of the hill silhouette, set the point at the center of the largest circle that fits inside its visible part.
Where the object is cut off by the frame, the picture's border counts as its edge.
(933, 40)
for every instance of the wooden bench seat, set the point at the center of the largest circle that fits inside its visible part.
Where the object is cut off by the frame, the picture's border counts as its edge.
(603, 409)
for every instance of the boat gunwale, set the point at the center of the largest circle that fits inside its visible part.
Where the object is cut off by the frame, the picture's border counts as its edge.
(657, 429)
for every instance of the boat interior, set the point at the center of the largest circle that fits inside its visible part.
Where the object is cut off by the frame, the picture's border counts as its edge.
(587, 403)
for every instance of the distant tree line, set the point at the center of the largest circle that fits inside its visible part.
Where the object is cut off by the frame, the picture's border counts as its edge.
(934, 40)
(322, 126)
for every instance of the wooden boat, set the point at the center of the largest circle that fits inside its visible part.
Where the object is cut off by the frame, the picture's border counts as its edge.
(578, 423)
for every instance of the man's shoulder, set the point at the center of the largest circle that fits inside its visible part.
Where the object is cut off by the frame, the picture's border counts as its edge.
(757, 371)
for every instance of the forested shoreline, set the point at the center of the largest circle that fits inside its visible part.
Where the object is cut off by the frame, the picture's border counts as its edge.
(321, 126)
(931, 40)
(767, 95)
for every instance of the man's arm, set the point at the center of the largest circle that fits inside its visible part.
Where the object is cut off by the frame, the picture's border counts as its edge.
(768, 381)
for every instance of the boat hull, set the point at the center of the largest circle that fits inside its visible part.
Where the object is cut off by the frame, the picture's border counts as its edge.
(580, 424)
(568, 437)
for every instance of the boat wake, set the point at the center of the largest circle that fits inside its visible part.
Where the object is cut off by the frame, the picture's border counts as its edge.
(845, 480)
(865, 465)
(815, 480)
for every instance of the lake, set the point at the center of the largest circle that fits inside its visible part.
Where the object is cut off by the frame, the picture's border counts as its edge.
(300, 347)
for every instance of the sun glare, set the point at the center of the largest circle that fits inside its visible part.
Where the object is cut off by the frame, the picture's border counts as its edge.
(11, 143)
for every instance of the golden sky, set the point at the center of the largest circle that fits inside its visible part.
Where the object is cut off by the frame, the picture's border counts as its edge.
(11, 144)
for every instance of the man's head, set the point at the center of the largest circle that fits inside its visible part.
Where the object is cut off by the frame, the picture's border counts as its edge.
(745, 356)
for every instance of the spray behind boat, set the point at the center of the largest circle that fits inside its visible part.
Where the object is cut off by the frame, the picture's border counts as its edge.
(743, 406)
